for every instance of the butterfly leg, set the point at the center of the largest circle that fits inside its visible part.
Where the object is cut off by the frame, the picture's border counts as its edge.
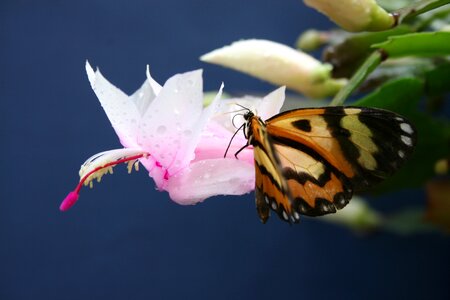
(237, 152)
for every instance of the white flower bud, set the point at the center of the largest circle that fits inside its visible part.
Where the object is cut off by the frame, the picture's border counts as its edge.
(355, 15)
(278, 64)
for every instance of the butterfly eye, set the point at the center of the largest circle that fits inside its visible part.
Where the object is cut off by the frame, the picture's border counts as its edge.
(248, 115)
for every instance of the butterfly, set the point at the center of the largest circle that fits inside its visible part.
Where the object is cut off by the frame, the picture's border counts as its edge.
(310, 161)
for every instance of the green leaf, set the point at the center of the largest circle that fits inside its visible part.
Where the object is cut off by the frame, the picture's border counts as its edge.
(402, 96)
(417, 44)
(399, 95)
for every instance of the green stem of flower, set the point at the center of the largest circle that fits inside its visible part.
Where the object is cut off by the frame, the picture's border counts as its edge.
(360, 75)
(417, 8)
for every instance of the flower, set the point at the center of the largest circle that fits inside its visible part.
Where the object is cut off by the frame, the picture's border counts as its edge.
(278, 64)
(351, 15)
(175, 138)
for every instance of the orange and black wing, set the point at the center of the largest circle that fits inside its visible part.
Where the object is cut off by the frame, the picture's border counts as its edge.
(271, 189)
(323, 155)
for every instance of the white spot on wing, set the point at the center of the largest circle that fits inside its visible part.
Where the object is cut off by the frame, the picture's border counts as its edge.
(406, 128)
(401, 153)
(406, 140)
(274, 205)
(285, 216)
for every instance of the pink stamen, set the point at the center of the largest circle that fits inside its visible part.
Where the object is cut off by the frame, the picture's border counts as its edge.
(72, 197)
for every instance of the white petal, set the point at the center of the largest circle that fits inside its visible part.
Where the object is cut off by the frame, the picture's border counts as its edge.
(212, 177)
(171, 127)
(271, 104)
(121, 111)
(144, 96)
(155, 86)
(230, 111)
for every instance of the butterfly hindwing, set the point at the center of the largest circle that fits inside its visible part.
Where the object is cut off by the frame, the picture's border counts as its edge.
(271, 187)
(309, 161)
(315, 187)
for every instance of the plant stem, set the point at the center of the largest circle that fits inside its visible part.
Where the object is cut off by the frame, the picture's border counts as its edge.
(360, 75)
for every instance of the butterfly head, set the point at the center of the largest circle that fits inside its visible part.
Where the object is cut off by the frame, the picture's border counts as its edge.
(246, 126)
(248, 115)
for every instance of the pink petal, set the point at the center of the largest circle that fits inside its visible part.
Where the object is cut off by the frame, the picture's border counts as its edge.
(207, 178)
(214, 143)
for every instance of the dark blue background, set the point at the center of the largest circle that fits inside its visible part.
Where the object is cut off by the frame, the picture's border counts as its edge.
(124, 240)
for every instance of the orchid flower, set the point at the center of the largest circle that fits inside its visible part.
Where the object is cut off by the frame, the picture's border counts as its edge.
(179, 142)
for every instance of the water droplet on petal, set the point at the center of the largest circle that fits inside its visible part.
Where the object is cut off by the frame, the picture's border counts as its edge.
(161, 129)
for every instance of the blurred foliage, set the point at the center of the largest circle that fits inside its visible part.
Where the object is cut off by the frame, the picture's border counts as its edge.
(348, 55)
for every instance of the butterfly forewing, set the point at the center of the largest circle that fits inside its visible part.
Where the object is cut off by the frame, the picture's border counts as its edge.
(309, 161)
(364, 144)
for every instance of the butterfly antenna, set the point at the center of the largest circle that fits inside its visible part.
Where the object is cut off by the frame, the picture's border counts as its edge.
(229, 144)
(232, 120)
(243, 107)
